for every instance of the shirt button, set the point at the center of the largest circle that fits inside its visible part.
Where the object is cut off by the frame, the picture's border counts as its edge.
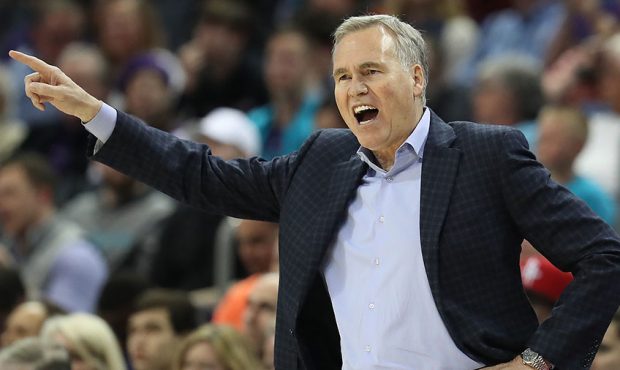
(382, 219)
(367, 349)
(377, 261)
(371, 306)
(389, 179)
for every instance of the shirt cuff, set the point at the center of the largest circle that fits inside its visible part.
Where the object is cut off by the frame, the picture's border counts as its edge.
(102, 125)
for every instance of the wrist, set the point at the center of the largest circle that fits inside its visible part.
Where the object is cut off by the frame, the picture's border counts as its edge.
(91, 110)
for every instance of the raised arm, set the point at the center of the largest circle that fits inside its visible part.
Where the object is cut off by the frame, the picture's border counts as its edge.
(48, 84)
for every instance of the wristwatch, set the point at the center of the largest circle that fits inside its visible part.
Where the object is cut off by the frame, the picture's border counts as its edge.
(534, 360)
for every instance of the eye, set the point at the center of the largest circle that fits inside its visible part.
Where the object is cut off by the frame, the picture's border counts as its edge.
(343, 77)
(373, 71)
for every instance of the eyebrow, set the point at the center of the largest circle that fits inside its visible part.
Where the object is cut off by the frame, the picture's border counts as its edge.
(365, 65)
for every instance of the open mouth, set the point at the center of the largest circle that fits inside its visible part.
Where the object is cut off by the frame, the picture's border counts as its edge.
(365, 114)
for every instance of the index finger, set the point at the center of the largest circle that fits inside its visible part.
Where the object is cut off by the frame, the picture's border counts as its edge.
(35, 63)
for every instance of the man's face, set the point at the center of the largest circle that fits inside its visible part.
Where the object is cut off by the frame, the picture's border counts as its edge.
(608, 355)
(151, 339)
(367, 73)
(257, 243)
(20, 201)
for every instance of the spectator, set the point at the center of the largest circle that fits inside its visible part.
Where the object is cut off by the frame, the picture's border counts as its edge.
(160, 320)
(26, 320)
(34, 354)
(600, 158)
(288, 119)
(260, 312)
(124, 29)
(216, 347)
(525, 30)
(58, 264)
(113, 307)
(219, 60)
(152, 83)
(563, 132)
(543, 283)
(608, 355)
(508, 92)
(257, 246)
(88, 340)
(113, 216)
(583, 20)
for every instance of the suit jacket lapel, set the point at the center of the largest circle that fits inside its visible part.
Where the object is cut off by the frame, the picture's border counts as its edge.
(439, 169)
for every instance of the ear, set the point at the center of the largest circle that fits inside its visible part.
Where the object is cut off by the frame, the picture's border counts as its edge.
(419, 81)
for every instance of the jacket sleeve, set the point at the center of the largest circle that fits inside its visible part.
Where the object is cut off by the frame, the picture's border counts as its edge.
(252, 188)
(572, 237)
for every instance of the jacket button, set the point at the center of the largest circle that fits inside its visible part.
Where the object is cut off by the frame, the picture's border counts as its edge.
(291, 332)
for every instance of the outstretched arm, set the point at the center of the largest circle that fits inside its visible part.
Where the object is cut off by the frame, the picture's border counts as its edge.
(48, 84)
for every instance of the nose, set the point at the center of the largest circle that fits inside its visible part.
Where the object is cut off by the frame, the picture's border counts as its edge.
(358, 88)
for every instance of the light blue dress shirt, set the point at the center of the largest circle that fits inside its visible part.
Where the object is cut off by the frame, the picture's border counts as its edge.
(375, 274)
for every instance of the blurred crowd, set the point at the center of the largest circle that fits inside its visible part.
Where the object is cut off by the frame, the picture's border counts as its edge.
(100, 272)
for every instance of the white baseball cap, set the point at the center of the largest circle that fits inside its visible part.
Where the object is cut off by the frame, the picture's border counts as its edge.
(232, 127)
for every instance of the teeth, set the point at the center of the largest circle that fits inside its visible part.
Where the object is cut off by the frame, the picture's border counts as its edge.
(362, 108)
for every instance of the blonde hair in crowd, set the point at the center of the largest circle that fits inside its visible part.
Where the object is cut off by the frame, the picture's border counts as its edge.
(90, 338)
(231, 348)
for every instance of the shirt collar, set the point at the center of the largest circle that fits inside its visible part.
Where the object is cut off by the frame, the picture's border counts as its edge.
(416, 141)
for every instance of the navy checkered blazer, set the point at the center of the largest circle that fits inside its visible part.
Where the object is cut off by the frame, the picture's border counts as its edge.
(482, 193)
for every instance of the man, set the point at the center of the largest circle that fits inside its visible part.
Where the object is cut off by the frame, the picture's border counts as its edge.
(52, 255)
(408, 257)
(563, 133)
(260, 313)
(160, 320)
(257, 250)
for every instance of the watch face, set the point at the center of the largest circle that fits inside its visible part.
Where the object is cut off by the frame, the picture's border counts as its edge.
(529, 355)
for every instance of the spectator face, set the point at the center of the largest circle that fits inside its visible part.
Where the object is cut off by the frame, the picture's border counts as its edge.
(25, 321)
(20, 201)
(261, 310)
(56, 30)
(151, 339)
(556, 145)
(201, 356)
(608, 355)
(122, 29)
(285, 65)
(257, 242)
(148, 96)
(367, 72)
(492, 103)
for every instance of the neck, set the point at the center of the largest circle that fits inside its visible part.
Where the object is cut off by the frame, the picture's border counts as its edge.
(387, 157)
